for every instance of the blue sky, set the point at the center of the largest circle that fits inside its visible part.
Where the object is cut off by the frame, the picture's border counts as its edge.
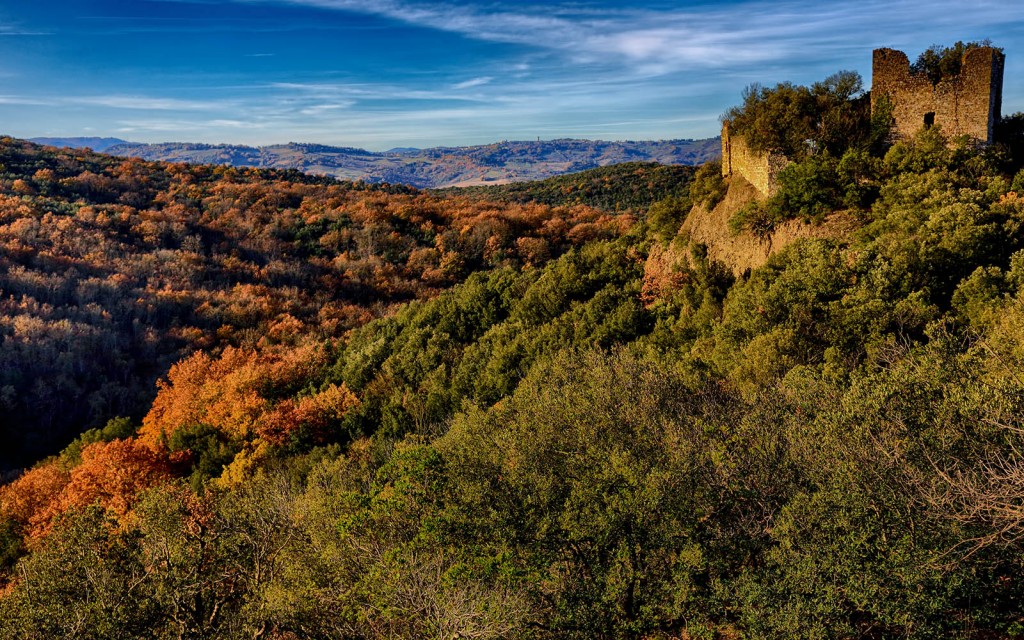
(384, 73)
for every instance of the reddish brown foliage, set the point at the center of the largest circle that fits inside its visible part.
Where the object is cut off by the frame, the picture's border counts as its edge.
(661, 275)
(231, 393)
(313, 414)
(114, 269)
(111, 474)
(31, 495)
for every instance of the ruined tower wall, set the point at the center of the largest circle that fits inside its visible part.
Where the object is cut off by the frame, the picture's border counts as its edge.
(968, 104)
(759, 169)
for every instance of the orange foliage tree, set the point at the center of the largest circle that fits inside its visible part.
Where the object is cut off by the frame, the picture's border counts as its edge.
(240, 394)
(110, 474)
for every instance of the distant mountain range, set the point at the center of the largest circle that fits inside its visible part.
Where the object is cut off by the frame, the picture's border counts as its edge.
(497, 163)
(98, 145)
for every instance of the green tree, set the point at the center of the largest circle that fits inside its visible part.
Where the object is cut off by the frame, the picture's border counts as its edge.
(940, 62)
(87, 580)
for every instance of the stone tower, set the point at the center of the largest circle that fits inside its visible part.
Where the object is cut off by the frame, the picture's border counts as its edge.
(968, 104)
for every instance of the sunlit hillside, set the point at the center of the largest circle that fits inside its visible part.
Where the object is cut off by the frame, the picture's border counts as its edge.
(773, 397)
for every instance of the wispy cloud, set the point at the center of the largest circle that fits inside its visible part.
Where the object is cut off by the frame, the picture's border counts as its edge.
(24, 101)
(126, 103)
(321, 109)
(473, 82)
(180, 126)
(660, 42)
(143, 103)
(11, 30)
(483, 70)
(364, 92)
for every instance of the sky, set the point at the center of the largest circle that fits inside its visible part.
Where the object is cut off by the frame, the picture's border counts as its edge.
(379, 74)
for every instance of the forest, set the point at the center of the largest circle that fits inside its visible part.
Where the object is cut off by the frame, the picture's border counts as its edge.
(265, 405)
(112, 270)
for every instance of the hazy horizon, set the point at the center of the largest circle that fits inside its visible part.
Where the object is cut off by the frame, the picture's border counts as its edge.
(401, 73)
(282, 143)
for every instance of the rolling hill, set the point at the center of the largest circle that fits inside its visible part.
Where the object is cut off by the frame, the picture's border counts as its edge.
(111, 270)
(95, 143)
(498, 163)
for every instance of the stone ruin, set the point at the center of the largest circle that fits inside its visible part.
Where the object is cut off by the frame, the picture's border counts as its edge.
(759, 169)
(968, 104)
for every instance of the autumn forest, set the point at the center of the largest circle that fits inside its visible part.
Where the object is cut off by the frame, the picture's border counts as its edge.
(255, 403)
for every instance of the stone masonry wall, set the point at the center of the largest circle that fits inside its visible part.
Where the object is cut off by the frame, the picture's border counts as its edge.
(759, 169)
(969, 104)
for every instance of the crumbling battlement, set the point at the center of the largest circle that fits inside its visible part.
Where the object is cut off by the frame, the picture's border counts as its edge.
(968, 104)
(759, 169)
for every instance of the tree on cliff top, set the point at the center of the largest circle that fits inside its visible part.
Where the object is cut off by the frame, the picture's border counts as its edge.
(796, 120)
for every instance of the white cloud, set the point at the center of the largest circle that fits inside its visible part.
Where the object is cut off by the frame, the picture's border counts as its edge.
(24, 101)
(143, 103)
(473, 82)
(202, 127)
(321, 109)
(10, 30)
(687, 38)
(234, 124)
(354, 93)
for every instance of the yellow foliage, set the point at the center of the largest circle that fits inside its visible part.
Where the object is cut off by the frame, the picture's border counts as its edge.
(242, 467)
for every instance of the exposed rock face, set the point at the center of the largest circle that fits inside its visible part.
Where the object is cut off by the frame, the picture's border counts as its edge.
(745, 251)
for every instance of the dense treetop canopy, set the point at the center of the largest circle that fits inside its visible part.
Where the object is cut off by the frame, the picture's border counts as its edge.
(796, 121)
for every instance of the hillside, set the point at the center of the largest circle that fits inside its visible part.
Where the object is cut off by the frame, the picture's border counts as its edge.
(708, 412)
(623, 439)
(618, 187)
(111, 270)
(94, 143)
(438, 167)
